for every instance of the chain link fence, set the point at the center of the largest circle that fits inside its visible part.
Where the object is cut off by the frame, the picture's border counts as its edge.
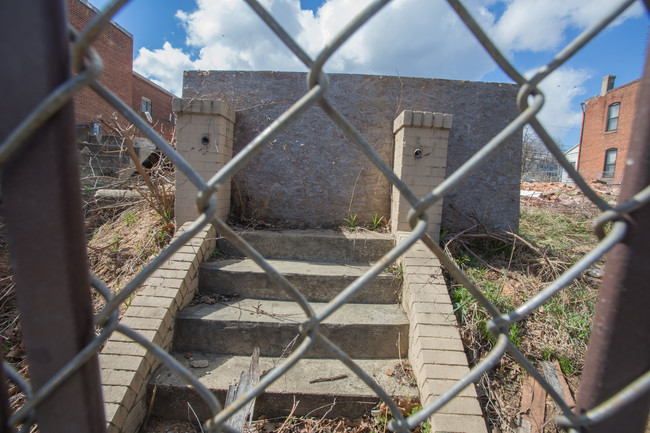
(592, 411)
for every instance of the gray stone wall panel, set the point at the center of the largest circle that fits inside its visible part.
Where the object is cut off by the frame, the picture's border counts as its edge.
(312, 175)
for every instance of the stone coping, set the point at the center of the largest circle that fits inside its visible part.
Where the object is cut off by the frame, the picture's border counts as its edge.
(203, 106)
(423, 119)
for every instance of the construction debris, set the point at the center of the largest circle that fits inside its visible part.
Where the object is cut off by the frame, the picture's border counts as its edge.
(564, 193)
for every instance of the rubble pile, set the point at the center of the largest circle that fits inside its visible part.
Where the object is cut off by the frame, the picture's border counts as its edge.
(564, 194)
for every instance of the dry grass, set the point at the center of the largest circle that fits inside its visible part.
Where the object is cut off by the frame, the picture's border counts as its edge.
(122, 237)
(124, 244)
(510, 269)
(373, 421)
(10, 334)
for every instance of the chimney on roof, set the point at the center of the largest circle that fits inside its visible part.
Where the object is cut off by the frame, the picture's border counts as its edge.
(608, 84)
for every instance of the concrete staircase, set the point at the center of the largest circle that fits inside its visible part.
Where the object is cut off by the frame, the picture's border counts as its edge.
(251, 311)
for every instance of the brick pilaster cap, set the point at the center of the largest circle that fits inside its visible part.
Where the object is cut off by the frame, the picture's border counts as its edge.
(203, 106)
(422, 119)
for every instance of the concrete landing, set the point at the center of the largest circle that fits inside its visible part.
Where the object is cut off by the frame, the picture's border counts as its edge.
(351, 397)
(361, 330)
(317, 281)
(316, 245)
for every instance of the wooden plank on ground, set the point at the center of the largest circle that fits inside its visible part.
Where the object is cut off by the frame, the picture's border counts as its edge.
(533, 407)
(568, 397)
(551, 375)
(247, 381)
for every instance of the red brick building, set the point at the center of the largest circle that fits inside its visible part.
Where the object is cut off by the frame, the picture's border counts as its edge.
(147, 96)
(606, 130)
(115, 46)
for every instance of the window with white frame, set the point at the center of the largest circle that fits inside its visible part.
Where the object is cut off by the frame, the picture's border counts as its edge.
(612, 116)
(610, 163)
(146, 105)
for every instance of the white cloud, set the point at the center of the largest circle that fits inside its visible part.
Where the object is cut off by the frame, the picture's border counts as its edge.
(561, 90)
(231, 36)
(412, 37)
(537, 26)
(419, 38)
(415, 37)
(164, 66)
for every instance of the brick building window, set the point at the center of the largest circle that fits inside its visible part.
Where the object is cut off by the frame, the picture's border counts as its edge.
(610, 163)
(612, 116)
(146, 105)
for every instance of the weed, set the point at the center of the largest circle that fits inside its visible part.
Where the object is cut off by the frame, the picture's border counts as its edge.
(444, 231)
(383, 416)
(515, 335)
(129, 219)
(376, 221)
(216, 253)
(352, 222)
(129, 301)
(560, 234)
(155, 194)
(568, 366)
(510, 269)
(425, 427)
(161, 238)
(395, 269)
(166, 215)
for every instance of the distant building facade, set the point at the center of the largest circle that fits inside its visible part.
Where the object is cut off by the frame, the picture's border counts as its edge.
(606, 131)
(115, 46)
(572, 156)
(149, 97)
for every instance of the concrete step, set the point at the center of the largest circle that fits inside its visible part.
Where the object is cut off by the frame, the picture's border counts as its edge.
(315, 245)
(317, 281)
(348, 397)
(364, 331)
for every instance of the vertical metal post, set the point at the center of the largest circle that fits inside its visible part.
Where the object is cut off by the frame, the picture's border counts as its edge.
(41, 201)
(619, 351)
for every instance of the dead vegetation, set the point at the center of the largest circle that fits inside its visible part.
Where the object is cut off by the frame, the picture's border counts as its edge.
(555, 232)
(128, 229)
(374, 421)
(124, 232)
(124, 244)
(10, 335)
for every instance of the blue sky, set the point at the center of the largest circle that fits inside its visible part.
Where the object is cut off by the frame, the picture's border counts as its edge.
(422, 38)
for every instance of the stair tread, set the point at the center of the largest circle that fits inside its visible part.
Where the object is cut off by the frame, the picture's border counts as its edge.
(224, 370)
(274, 311)
(373, 329)
(315, 244)
(326, 233)
(288, 267)
(317, 281)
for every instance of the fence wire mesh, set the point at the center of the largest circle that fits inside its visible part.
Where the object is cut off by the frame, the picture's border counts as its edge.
(87, 66)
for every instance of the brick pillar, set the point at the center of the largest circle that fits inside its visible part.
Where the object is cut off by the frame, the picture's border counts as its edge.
(420, 161)
(204, 132)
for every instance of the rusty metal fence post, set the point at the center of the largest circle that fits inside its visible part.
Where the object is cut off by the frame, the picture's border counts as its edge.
(42, 204)
(619, 350)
